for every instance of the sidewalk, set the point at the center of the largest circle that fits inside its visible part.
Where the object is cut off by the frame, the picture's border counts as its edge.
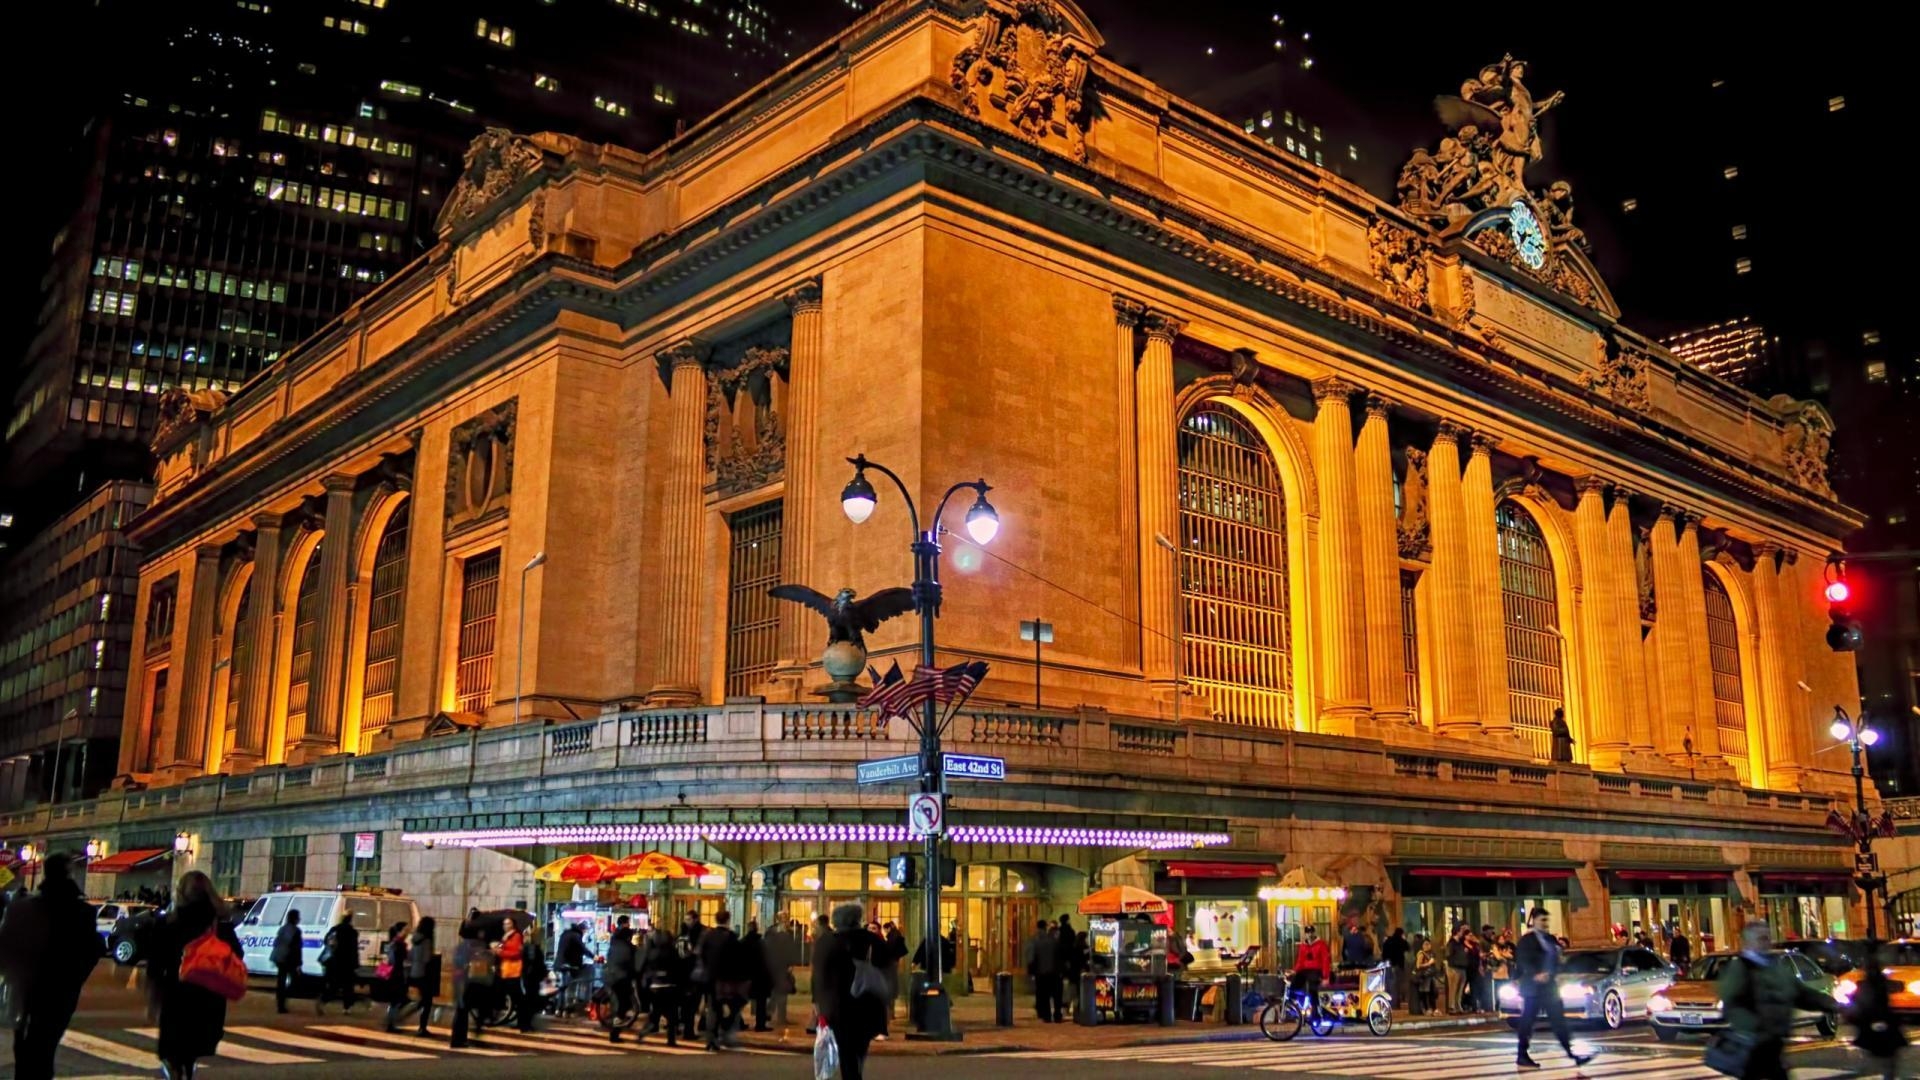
(973, 1015)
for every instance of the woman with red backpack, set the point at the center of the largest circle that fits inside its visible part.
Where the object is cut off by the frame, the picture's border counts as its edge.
(193, 970)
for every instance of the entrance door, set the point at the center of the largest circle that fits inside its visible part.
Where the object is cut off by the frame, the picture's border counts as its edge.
(1022, 914)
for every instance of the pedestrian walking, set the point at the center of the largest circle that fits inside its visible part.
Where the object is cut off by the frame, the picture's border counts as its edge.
(1073, 961)
(48, 946)
(753, 952)
(729, 979)
(1681, 951)
(897, 945)
(475, 971)
(663, 973)
(1876, 1028)
(1394, 952)
(821, 930)
(1538, 958)
(854, 1020)
(511, 954)
(698, 980)
(570, 960)
(618, 975)
(192, 1019)
(782, 951)
(391, 974)
(1761, 993)
(533, 977)
(422, 973)
(1458, 960)
(339, 965)
(289, 953)
(1037, 955)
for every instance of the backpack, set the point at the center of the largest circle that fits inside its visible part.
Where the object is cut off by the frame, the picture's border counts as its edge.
(480, 967)
(210, 964)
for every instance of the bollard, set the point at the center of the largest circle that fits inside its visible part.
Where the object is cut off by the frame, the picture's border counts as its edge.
(916, 1000)
(1233, 1012)
(1003, 999)
(1166, 1001)
(1088, 991)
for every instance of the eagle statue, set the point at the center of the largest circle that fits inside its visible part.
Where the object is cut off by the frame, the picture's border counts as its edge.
(849, 619)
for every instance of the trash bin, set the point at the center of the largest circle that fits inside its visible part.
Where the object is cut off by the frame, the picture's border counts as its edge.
(1089, 1014)
(1230, 1010)
(916, 999)
(1186, 999)
(1003, 999)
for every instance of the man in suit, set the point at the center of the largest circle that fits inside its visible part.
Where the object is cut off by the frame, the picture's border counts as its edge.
(1538, 959)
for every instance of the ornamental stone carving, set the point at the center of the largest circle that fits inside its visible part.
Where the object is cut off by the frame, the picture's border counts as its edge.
(496, 160)
(480, 467)
(1399, 259)
(1026, 70)
(1621, 376)
(1415, 535)
(747, 420)
(1806, 442)
(181, 410)
(1643, 571)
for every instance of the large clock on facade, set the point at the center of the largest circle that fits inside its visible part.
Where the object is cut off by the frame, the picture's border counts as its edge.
(1529, 239)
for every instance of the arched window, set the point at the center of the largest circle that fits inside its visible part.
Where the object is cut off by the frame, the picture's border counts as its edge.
(1723, 655)
(300, 667)
(1233, 569)
(239, 654)
(384, 604)
(1532, 607)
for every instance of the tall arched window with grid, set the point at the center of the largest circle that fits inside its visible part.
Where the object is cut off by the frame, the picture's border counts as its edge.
(1535, 679)
(1233, 570)
(1723, 656)
(306, 609)
(384, 605)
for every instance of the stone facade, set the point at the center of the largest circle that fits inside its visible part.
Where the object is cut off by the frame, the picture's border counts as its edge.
(1066, 292)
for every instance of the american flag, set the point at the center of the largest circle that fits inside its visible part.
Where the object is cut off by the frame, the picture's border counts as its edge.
(893, 695)
(889, 694)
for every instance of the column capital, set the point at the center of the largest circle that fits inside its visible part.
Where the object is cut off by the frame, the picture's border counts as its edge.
(1163, 326)
(1767, 550)
(209, 552)
(1451, 431)
(1622, 491)
(684, 353)
(804, 298)
(267, 519)
(1379, 404)
(340, 482)
(1127, 311)
(1484, 443)
(1682, 517)
(1591, 484)
(1334, 388)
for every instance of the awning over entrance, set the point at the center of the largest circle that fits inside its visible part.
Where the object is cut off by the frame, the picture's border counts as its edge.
(124, 861)
(1221, 869)
(1788, 883)
(1489, 871)
(1672, 875)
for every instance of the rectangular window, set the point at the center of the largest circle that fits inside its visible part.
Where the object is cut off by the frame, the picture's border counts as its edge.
(479, 601)
(1876, 371)
(494, 32)
(1742, 265)
(156, 715)
(358, 873)
(288, 866)
(546, 82)
(1739, 232)
(753, 617)
(1410, 639)
(229, 856)
(664, 95)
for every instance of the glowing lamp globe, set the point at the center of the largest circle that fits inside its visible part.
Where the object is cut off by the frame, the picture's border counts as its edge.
(858, 499)
(983, 524)
(1838, 592)
(1869, 737)
(1840, 730)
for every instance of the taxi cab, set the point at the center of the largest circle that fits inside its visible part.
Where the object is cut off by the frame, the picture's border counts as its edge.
(1692, 1004)
(1901, 961)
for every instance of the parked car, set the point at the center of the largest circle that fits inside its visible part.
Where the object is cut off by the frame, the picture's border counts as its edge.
(373, 910)
(1603, 986)
(1692, 1004)
(108, 913)
(129, 933)
(1901, 961)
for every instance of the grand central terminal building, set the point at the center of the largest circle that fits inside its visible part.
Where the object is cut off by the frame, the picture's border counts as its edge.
(1335, 506)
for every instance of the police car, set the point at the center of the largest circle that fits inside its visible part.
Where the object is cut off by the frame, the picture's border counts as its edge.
(373, 910)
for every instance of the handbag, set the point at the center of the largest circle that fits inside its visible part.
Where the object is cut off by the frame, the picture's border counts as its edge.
(480, 968)
(383, 971)
(210, 964)
(867, 980)
(1730, 1052)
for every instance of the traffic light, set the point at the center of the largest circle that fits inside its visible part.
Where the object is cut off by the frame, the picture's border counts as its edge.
(1844, 635)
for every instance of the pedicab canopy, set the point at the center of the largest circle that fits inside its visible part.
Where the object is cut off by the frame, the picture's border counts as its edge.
(1303, 886)
(1123, 900)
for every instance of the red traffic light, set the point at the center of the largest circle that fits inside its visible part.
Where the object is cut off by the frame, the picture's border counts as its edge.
(1838, 592)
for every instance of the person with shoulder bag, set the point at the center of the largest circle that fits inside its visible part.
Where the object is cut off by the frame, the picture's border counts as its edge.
(289, 952)
(49, 945)
(339, 965)
(391, 974)
(1876, 1028)
(1761, 993)
(849, 991)
(474, 975)
(193, 970)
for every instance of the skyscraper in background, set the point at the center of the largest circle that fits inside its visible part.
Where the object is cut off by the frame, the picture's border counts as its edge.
(1735, 350)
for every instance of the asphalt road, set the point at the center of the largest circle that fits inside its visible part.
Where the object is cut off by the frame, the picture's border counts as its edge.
(112, 1038)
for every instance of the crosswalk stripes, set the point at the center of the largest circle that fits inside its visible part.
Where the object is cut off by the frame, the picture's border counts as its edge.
(407, 1040)
(238, 1051)
(107, 1050)
(1406, 1060)
(306, 1042)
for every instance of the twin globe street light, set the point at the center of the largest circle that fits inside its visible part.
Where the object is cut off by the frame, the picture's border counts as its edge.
(858, 499)
(1856, 736)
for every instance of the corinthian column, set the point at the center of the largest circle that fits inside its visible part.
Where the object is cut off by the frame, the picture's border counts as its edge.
(263, 628)
(1343, 601)
(1159, 495)
(1605, 664)
(677, 673)
(1693, 597)
(1673, 644)
(1626, 576)
(1127, 314)
(799, 502)
(1380, 565)
(1455, 674)
(1781, 719)
(331, 604)
(190, 738)
(1483, 582)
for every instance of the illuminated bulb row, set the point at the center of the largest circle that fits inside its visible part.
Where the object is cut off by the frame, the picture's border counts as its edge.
(813, 832)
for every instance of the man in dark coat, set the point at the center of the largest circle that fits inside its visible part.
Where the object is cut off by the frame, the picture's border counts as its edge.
(1040, 958)
(623, 965)
(753, 953)
(782, 950)
(729, 979)
(341, 965)
(1681, 951)
(1394, 951)
(663, 974)
(1072, 963)
(854, 1021)
(1537, 958)
(49, 944)
(289, 952)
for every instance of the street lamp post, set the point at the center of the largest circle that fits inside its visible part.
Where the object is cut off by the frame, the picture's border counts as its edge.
(1858, 736)
(182, 845)
(28, 853)
(520, 644)
(983, 523)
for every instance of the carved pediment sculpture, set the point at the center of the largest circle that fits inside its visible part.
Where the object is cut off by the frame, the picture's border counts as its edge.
(747, 420)
(1414, 534)
(180, 410)
(480, 466)
(1399, 258)
(1643, 571)
(496, 160)
(1026, 69)
(1621, 376)
(1806, 442)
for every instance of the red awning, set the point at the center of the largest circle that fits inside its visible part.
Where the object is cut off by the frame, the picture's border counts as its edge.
(1804, 877)
(1221, 869)
(126, 860)
(1672, 875)
(1491, 871)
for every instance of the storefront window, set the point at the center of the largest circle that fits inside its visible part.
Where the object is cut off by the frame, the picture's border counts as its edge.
(845, 877)
(1663, 909)
(983, 878)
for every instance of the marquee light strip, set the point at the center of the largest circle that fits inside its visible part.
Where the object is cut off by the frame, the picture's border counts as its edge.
(812, 832)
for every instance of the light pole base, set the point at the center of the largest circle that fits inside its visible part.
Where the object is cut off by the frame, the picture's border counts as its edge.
(936, 1017)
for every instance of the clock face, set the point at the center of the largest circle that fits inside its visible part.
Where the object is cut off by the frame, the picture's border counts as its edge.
(1529, 240)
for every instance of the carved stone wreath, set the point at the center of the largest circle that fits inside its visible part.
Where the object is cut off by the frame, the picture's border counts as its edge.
(746, 426)
(495, 161)
(480, 466)
(1399, 258)
(1026, 70)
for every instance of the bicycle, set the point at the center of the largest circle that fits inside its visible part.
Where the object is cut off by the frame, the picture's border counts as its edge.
(1283, 1017)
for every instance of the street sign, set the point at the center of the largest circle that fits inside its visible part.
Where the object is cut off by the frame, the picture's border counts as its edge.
(1866, 863)
(926, 815)
(366, 845)
(887, 770)
(972, 767)
(1036, 630)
